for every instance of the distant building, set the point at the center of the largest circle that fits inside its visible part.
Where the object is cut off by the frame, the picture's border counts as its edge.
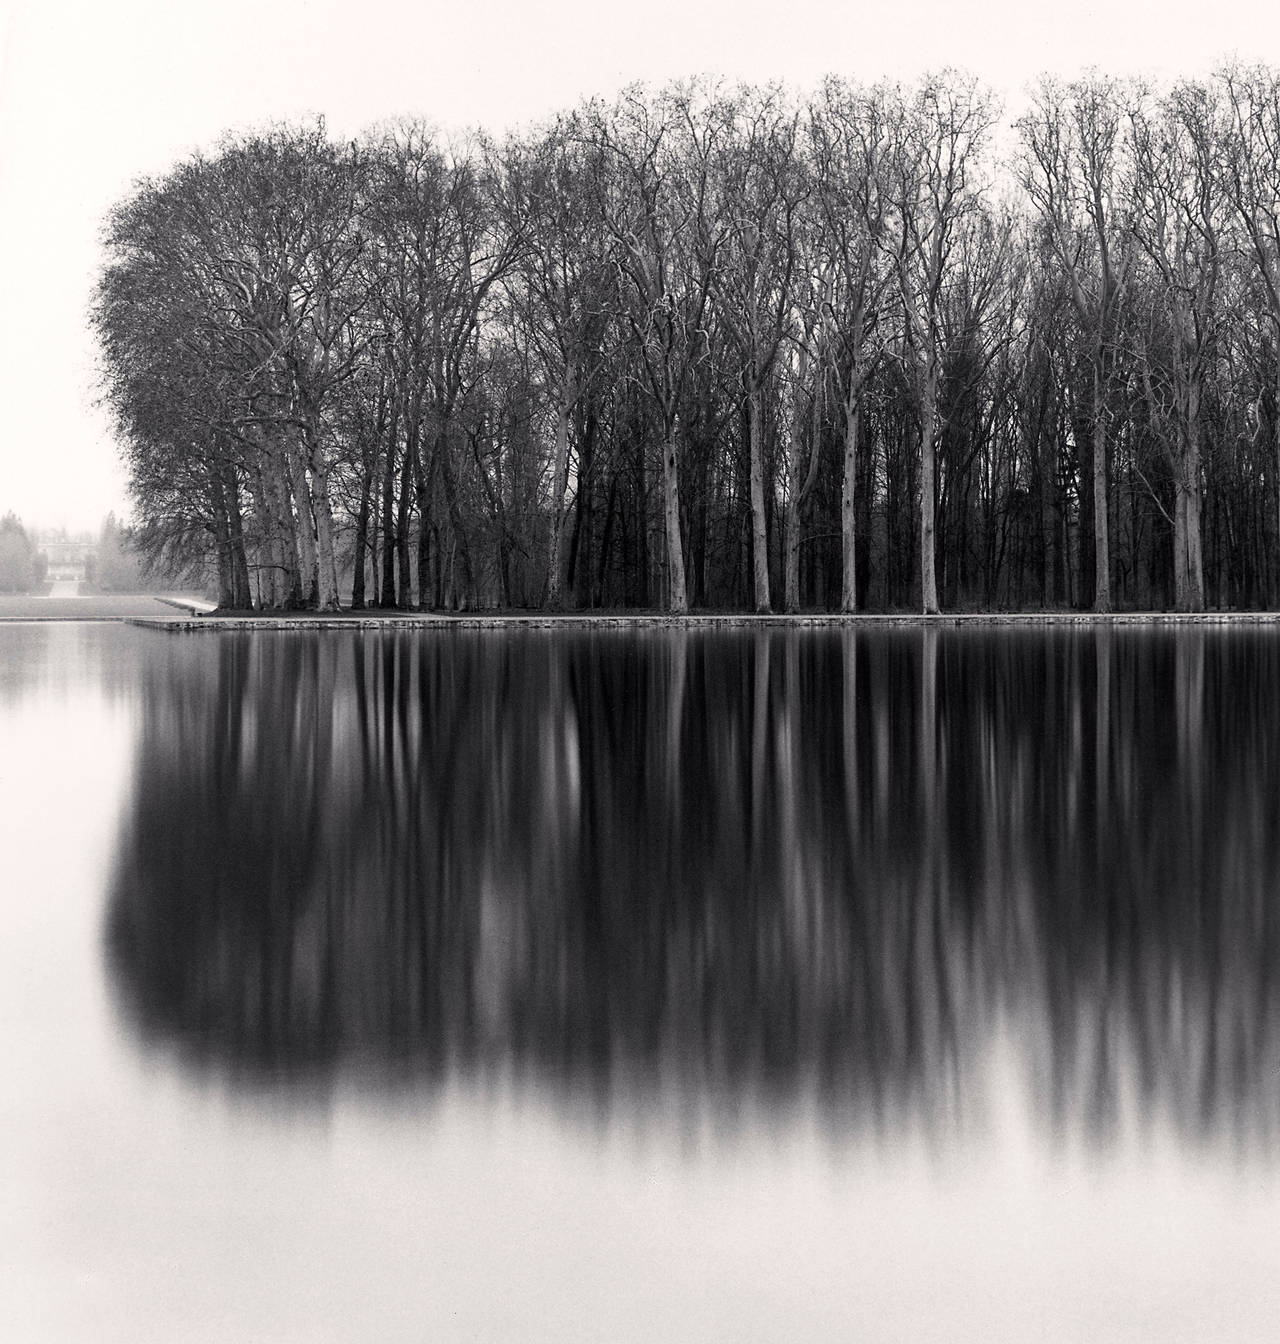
(67, 559)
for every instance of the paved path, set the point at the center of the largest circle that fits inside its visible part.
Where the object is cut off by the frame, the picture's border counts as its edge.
(102, 607)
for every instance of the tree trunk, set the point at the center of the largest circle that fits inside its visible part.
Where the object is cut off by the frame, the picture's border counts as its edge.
(225, 600)
(221, 542)
(267, 549)
(799, 489)
(284, 528)
(791, 541)
(848, 513)
(1181, 600)
(241, 593)
(1101, 536)
(578, 568)
(421, 492)
(309, 579)
(404, 576)
(387, 595)
(759, 539)
(1050, 568)
(678, 601)
(361, 543)
(413, 465)
(1191, 458)
(928, 468)
(560, 481)
(1275, 430)
(606, 540)
(327, 566)
(468, 596)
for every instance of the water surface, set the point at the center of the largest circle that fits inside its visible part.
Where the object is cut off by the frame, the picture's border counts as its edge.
(906, 984)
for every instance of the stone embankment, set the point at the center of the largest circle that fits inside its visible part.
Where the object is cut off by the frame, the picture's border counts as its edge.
(698, 621)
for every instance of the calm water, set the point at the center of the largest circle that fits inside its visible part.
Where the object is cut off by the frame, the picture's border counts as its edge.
(906, 985)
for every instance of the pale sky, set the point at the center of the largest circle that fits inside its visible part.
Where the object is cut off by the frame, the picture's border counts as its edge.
(94, 93)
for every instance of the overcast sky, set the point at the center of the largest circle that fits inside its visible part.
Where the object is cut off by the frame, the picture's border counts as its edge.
(94, 93)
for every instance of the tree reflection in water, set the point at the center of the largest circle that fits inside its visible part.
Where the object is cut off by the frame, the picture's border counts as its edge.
(768, 866)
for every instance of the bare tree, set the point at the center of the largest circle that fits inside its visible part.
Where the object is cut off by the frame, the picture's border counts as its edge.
(657, 209)
(1251, 174)
(939, 137)
(565, 281)
(1071, 168)
(850, 135)
(759, 187)
(1178, 218)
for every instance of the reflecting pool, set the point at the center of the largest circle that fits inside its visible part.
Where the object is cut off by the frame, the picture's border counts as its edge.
(908, 984)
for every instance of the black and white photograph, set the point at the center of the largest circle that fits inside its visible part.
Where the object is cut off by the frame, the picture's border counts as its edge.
(639, 672)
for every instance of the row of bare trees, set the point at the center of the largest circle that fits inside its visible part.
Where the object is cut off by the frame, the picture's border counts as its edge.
(720, 346)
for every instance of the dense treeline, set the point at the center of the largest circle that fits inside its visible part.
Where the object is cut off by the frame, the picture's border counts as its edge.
(21, 564)
(720, 347)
